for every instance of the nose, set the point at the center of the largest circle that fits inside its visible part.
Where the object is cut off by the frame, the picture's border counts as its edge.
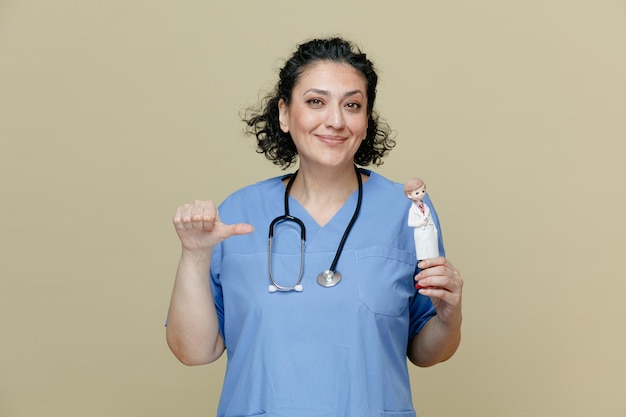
(335, 117)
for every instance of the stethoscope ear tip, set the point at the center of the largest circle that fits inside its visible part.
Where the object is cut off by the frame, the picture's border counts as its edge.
(298, 288)
(272, 288)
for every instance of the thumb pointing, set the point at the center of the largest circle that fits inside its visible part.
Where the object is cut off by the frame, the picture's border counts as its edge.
(240, 229)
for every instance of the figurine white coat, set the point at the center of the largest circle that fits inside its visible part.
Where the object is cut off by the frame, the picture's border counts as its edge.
(425, 231)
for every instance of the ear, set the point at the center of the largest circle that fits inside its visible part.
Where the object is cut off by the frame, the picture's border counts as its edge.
(283, 115)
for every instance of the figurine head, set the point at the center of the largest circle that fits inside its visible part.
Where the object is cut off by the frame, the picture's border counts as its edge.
(415, 189)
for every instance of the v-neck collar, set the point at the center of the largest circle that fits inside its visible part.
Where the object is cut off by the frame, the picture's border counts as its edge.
(337, 223)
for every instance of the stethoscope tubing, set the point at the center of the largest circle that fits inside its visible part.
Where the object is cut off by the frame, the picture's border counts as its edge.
(328, 282)
(275, 286)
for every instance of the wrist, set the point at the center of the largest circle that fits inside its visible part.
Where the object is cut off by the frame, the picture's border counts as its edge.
(197, 256)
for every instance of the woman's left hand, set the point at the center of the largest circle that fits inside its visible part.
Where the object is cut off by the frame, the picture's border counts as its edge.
(442, 282)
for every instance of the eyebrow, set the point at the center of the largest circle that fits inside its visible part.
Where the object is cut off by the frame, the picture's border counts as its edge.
(327, 93)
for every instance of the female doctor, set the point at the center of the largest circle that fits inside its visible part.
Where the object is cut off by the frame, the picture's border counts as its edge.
(321, 321)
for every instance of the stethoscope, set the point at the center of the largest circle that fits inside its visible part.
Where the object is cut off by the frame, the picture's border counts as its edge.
(327, 278)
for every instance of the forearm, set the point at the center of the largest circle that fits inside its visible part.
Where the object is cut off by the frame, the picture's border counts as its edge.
(192, 331)
(435, 343)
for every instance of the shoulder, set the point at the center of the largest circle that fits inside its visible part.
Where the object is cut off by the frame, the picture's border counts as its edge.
(383, 195)
(383, 184)
(253, 200)
(387, 188)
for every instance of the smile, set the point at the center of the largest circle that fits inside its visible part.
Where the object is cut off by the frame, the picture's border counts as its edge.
(331, 139)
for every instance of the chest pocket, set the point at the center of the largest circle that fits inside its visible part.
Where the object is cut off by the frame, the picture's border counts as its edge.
(385, 277)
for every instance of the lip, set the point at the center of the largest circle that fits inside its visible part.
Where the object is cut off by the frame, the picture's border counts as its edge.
(332, 139)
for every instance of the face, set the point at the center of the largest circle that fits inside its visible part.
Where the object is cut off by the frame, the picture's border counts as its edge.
(417, 194)
(327, 116)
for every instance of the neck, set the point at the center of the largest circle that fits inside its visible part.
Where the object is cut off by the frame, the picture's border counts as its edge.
(325, 181)
(323, 192)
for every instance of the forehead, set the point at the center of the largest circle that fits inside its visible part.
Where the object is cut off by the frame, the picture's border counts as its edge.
(331, 76)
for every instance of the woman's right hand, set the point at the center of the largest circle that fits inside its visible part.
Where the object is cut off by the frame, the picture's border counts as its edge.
(193, 325)
(199, 227)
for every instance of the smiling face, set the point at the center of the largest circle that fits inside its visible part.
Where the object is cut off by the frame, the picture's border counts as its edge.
(327, 114)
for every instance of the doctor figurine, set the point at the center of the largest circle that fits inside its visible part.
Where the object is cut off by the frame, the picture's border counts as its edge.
(425, 233)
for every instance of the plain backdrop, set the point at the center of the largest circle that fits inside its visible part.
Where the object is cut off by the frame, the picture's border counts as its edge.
(113, 113)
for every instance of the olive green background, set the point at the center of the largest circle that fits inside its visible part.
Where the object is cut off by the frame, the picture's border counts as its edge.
(113, 113)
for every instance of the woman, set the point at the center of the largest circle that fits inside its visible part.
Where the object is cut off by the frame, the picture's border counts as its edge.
(336, 345)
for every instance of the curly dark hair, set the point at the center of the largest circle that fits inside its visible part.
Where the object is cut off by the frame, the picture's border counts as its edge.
(264, 123)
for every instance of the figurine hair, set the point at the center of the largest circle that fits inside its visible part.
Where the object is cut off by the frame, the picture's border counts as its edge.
(264, 123)
(413, 184)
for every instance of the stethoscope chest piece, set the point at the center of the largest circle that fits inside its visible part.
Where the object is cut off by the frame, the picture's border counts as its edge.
(329, 278)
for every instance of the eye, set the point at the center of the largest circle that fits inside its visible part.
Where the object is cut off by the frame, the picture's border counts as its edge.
(353, 105)
(315, 102)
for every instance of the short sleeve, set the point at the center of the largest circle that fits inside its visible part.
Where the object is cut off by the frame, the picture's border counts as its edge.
(422, 310)
(216, 286)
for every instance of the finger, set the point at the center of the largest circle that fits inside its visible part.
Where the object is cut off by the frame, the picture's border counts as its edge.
(194, 215)
(226, 231)
(439, 281)
(429, 263)
(449, 298)
(434, 271)
(176, 219)
(447, 304)
(205, 215)
(181, 217)
(242, 229)
(446, 277)
(434, 266)
(197, 218)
